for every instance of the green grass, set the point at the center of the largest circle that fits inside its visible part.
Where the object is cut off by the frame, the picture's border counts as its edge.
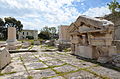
(29, 77)
(48, 47)
(103, 77)
(30, 47)
(19, 47)
(1, 74)
(67, 50)
(24, 64)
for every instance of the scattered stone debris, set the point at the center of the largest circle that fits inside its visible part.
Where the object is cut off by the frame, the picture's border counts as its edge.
(116, 60)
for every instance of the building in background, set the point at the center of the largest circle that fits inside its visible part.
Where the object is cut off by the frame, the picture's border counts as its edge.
(28, 34)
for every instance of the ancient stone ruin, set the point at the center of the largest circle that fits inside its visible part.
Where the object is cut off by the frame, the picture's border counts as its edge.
(4, 57)
(64, 38)
(12, 41)
(92, 38)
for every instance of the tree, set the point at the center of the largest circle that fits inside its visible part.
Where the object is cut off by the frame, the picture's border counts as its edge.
(47, 33)
(1, 28)
(12, 22)
(1, 22)
(1, 25)
(114, 6)
(53, 32)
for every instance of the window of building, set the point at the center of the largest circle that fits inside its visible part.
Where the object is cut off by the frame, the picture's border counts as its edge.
(27, 33)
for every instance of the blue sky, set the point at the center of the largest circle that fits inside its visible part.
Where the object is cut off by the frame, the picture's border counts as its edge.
(35, 14)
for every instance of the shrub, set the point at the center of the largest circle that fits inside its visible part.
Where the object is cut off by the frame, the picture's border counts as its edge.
(30, 37)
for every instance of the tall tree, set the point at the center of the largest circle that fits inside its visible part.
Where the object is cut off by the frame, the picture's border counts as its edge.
(12, 22)
(2, 28)
(1, 24)
(114, 6)
(47, 33)
(52, 32)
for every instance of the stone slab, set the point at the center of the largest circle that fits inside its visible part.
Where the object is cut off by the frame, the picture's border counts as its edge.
(54, 62)
(19, 75)
(65, 68)
(39, 74)
(81, 75)
(35, 65)
(112, 74)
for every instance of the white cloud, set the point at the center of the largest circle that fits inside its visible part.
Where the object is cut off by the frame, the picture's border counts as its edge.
(38, 13)
(97, 11)
(35, 14)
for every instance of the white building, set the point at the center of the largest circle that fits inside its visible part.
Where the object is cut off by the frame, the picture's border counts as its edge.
(26, 33)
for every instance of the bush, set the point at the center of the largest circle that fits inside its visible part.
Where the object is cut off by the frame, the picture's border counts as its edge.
(30, 37)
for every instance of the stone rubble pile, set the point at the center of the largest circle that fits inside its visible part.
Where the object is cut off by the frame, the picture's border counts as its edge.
(116, 60)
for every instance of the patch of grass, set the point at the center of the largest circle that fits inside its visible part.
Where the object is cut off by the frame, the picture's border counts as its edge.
(48, 47)
(44, 78)
(23, 64)
(30, 47)
(1, 74)
(67, 50)
(49, 67)
(29, 77)
(19, 47)
(103, 77)
(41, 68)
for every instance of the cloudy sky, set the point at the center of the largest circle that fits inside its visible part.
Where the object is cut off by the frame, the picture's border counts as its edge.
(35, 14)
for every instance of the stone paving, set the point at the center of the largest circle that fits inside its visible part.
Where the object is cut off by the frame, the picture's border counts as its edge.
(53, 65)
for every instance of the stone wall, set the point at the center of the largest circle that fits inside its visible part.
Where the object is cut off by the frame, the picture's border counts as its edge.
(63, 33)
(91, 37)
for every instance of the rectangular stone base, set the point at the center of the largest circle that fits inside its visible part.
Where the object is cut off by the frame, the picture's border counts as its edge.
(13, 45)
(4, 57)
(86, 51)
(93, 52)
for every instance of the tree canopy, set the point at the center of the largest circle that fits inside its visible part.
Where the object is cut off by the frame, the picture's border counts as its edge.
(9, 22)
(47, 33)
(12, 22)
(114, 6)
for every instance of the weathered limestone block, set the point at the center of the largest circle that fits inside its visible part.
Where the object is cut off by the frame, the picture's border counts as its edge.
(106, 53)
(104, 59)
(112, 51)
(63, 45)
(3, 44)
(94, 22)
(116, 60)
(117, 44)
(11, 35)
(4, 57)
(87, 52)
(100, 39)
